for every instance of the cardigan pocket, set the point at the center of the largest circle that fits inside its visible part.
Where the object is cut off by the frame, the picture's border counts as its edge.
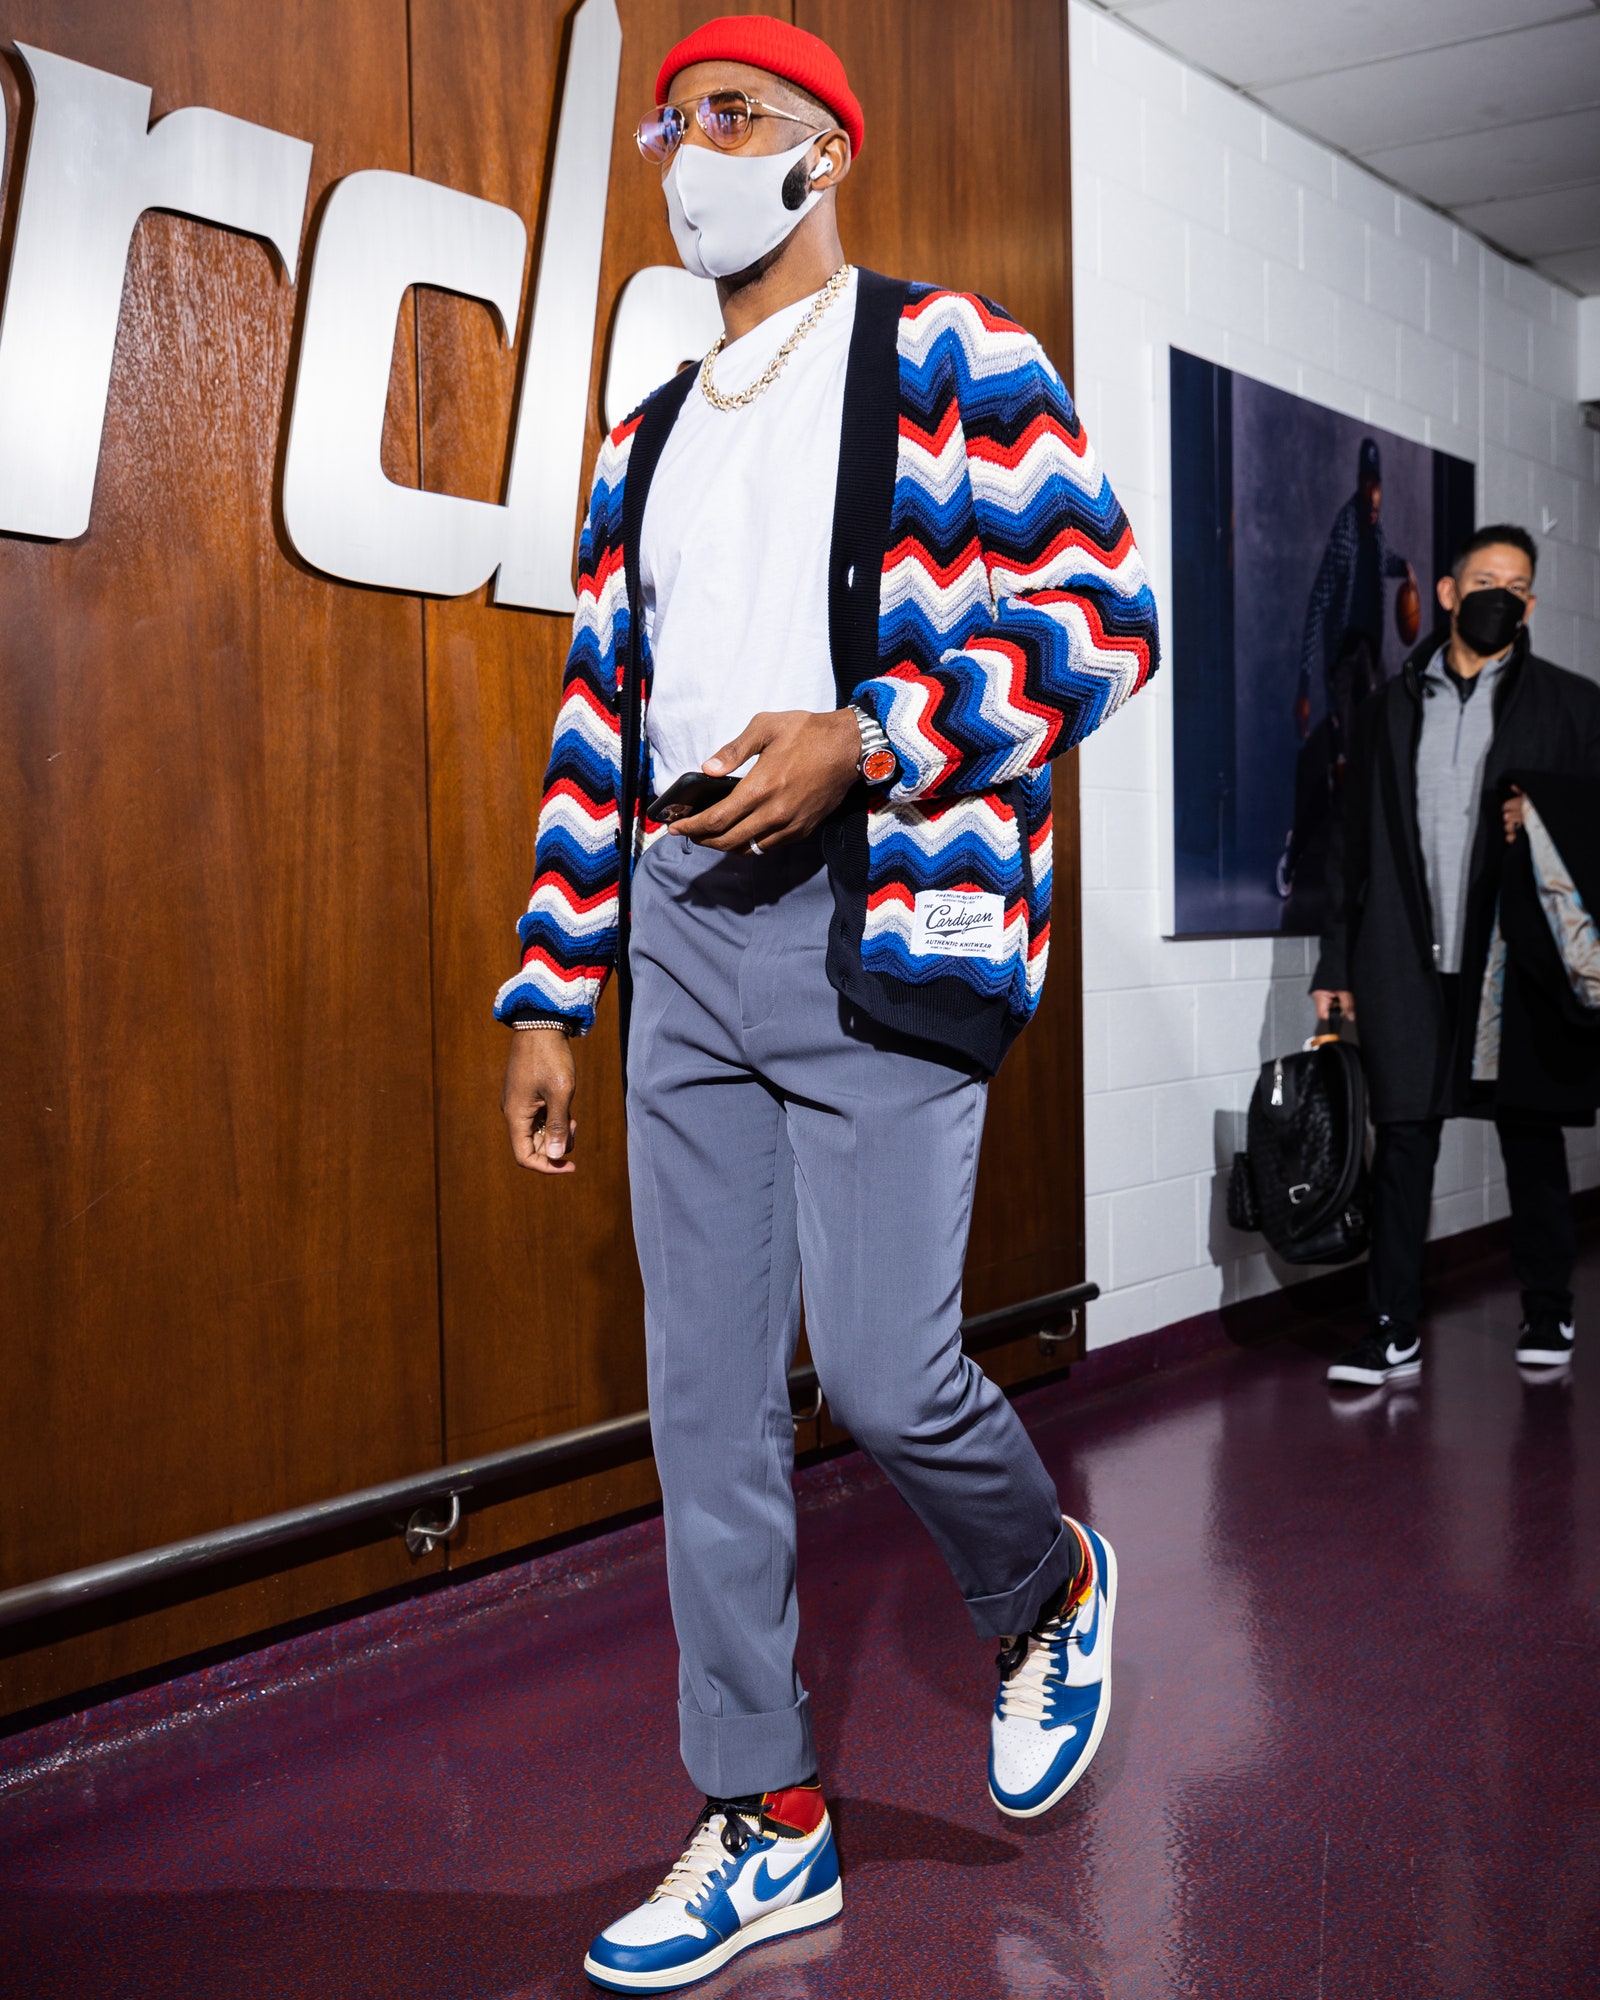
(948, 894)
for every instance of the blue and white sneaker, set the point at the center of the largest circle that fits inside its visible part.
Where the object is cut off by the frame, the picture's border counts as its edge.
(755, 1868)
(1055, 1690)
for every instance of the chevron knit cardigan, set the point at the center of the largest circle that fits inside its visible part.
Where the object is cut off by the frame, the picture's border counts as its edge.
(987, 605)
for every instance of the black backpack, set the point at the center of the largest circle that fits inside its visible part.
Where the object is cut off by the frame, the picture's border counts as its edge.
(1302, 1180)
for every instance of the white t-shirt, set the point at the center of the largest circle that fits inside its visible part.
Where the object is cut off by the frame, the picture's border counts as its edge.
(733, 558)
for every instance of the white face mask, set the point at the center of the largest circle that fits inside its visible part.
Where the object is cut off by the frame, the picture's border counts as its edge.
(727, 210)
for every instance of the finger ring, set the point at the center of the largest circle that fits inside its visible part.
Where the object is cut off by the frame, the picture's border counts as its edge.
(755, 847)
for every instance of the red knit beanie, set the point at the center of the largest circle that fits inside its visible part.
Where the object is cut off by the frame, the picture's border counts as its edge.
(771, 45)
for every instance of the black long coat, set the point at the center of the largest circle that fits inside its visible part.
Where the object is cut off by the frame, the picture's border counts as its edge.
(1379, 941)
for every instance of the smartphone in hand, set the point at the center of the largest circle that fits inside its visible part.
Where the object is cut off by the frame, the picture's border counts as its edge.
(693, 793)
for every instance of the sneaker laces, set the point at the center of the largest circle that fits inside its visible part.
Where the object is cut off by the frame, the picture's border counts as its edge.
(720, 1831)
(1027, 1663)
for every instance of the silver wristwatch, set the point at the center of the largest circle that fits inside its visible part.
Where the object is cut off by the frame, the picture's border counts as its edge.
(877, 764)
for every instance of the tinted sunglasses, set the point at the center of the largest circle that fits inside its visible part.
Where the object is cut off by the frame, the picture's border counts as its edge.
(725, 117)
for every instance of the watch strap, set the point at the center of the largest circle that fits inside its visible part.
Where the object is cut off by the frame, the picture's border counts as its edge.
(876, 749)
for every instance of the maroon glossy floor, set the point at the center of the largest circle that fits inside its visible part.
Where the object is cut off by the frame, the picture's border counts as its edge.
(1355, 1746)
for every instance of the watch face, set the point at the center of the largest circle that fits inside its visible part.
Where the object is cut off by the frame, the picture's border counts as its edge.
(879, 766)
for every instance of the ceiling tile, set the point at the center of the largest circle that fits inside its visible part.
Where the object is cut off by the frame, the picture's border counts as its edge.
(1251, 42)
(1511, 160)
(1498, 81)
(1578, 268)
(1488, 108)
(1539, 225)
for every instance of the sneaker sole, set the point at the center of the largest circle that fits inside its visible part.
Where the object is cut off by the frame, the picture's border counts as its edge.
(1370, 1378)
(1543, 1357)
(1102, 1713)
(799, 1916)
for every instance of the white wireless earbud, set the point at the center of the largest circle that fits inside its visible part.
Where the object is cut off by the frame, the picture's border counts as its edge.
(819, 170)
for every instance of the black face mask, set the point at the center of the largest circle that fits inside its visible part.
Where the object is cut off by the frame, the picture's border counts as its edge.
(1487, 620)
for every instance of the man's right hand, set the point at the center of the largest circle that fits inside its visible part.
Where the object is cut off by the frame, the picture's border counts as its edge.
(1323, 998)
(537, 1100)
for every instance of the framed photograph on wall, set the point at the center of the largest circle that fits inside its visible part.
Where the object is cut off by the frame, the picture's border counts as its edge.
(1305, 546)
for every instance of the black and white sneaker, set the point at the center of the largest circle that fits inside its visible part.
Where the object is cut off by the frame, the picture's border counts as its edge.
(1545, 1341)
(1389, 1353)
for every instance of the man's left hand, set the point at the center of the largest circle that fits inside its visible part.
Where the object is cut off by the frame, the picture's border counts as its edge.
(805, 764)
(1511, 813)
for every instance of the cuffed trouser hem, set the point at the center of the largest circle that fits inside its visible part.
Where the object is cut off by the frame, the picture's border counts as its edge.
(1013, 1611)
(729, 1756)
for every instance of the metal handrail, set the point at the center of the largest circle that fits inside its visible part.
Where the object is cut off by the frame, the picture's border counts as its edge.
(614, 1437)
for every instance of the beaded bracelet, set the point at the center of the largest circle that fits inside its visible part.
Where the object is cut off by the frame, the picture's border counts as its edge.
(556, 1027)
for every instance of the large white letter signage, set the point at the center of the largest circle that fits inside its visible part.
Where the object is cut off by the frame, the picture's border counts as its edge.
(664, 318)
(95, 164)
(382, 233)
(547, 450)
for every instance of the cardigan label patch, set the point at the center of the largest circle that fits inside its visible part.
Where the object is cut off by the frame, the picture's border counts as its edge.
(958, 923)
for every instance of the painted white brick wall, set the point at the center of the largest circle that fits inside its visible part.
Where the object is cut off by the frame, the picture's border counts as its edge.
(1203, 223)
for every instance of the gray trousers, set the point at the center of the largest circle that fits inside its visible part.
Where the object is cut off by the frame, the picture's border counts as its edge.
(772, 1134)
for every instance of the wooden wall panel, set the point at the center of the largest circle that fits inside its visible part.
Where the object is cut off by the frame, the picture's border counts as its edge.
(543, 1310)
(265, 836)
(531, 1269)
(963, 180)
(216, 1161)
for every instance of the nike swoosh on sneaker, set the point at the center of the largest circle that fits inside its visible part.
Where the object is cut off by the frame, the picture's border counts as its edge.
(1393, 1355)
(764, 1885)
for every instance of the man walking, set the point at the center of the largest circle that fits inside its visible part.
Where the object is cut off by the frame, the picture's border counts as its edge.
(863, 555)
(1432, 802)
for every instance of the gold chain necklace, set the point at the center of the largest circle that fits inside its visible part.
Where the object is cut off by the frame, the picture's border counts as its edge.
(775, 367)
